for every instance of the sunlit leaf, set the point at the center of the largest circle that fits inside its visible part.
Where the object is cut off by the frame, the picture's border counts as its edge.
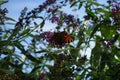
(3, 1)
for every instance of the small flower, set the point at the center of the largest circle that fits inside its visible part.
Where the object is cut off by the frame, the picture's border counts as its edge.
(42, 75)
(46, 36)
(55, 19)
(72, 1)
(3, 17)
(45, 4)
(115, 13)
(69, 18)
(50, 10)
(109, 42)
(115, 8)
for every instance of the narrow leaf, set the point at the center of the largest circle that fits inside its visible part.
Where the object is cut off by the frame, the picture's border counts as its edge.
(24, 32)
(73, 4)
(94, 30)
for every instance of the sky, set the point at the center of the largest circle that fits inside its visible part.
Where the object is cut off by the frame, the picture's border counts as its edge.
(15, 6)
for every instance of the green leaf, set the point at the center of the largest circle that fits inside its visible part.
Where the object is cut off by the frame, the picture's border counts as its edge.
(100, 10)
(10, 23)
(35, 69)
(94, 30)
(24, 32)
(93, 2)
(102, 62)
(31, 57)
(3, 1)
(42, 24)
(107, 31)
(89, 12)
(6, 71)
(5, 35)
(95, 56)
(26, 53)
(74, 3)
(41, 51)
(19, 45)
(80, 5)
(105, 12)
(8, 18)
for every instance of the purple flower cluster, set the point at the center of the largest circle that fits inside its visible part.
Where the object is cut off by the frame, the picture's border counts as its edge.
(50, 10)
(27, 17)
(55, 19)
(67, 19)
(70, 19)
(3, 15)
(116, 8)
(46, 36)
(109, 42)
(45, 4)
(116, 14)
(42, 76)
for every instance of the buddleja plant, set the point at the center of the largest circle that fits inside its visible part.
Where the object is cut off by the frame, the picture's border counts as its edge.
(29, 52)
